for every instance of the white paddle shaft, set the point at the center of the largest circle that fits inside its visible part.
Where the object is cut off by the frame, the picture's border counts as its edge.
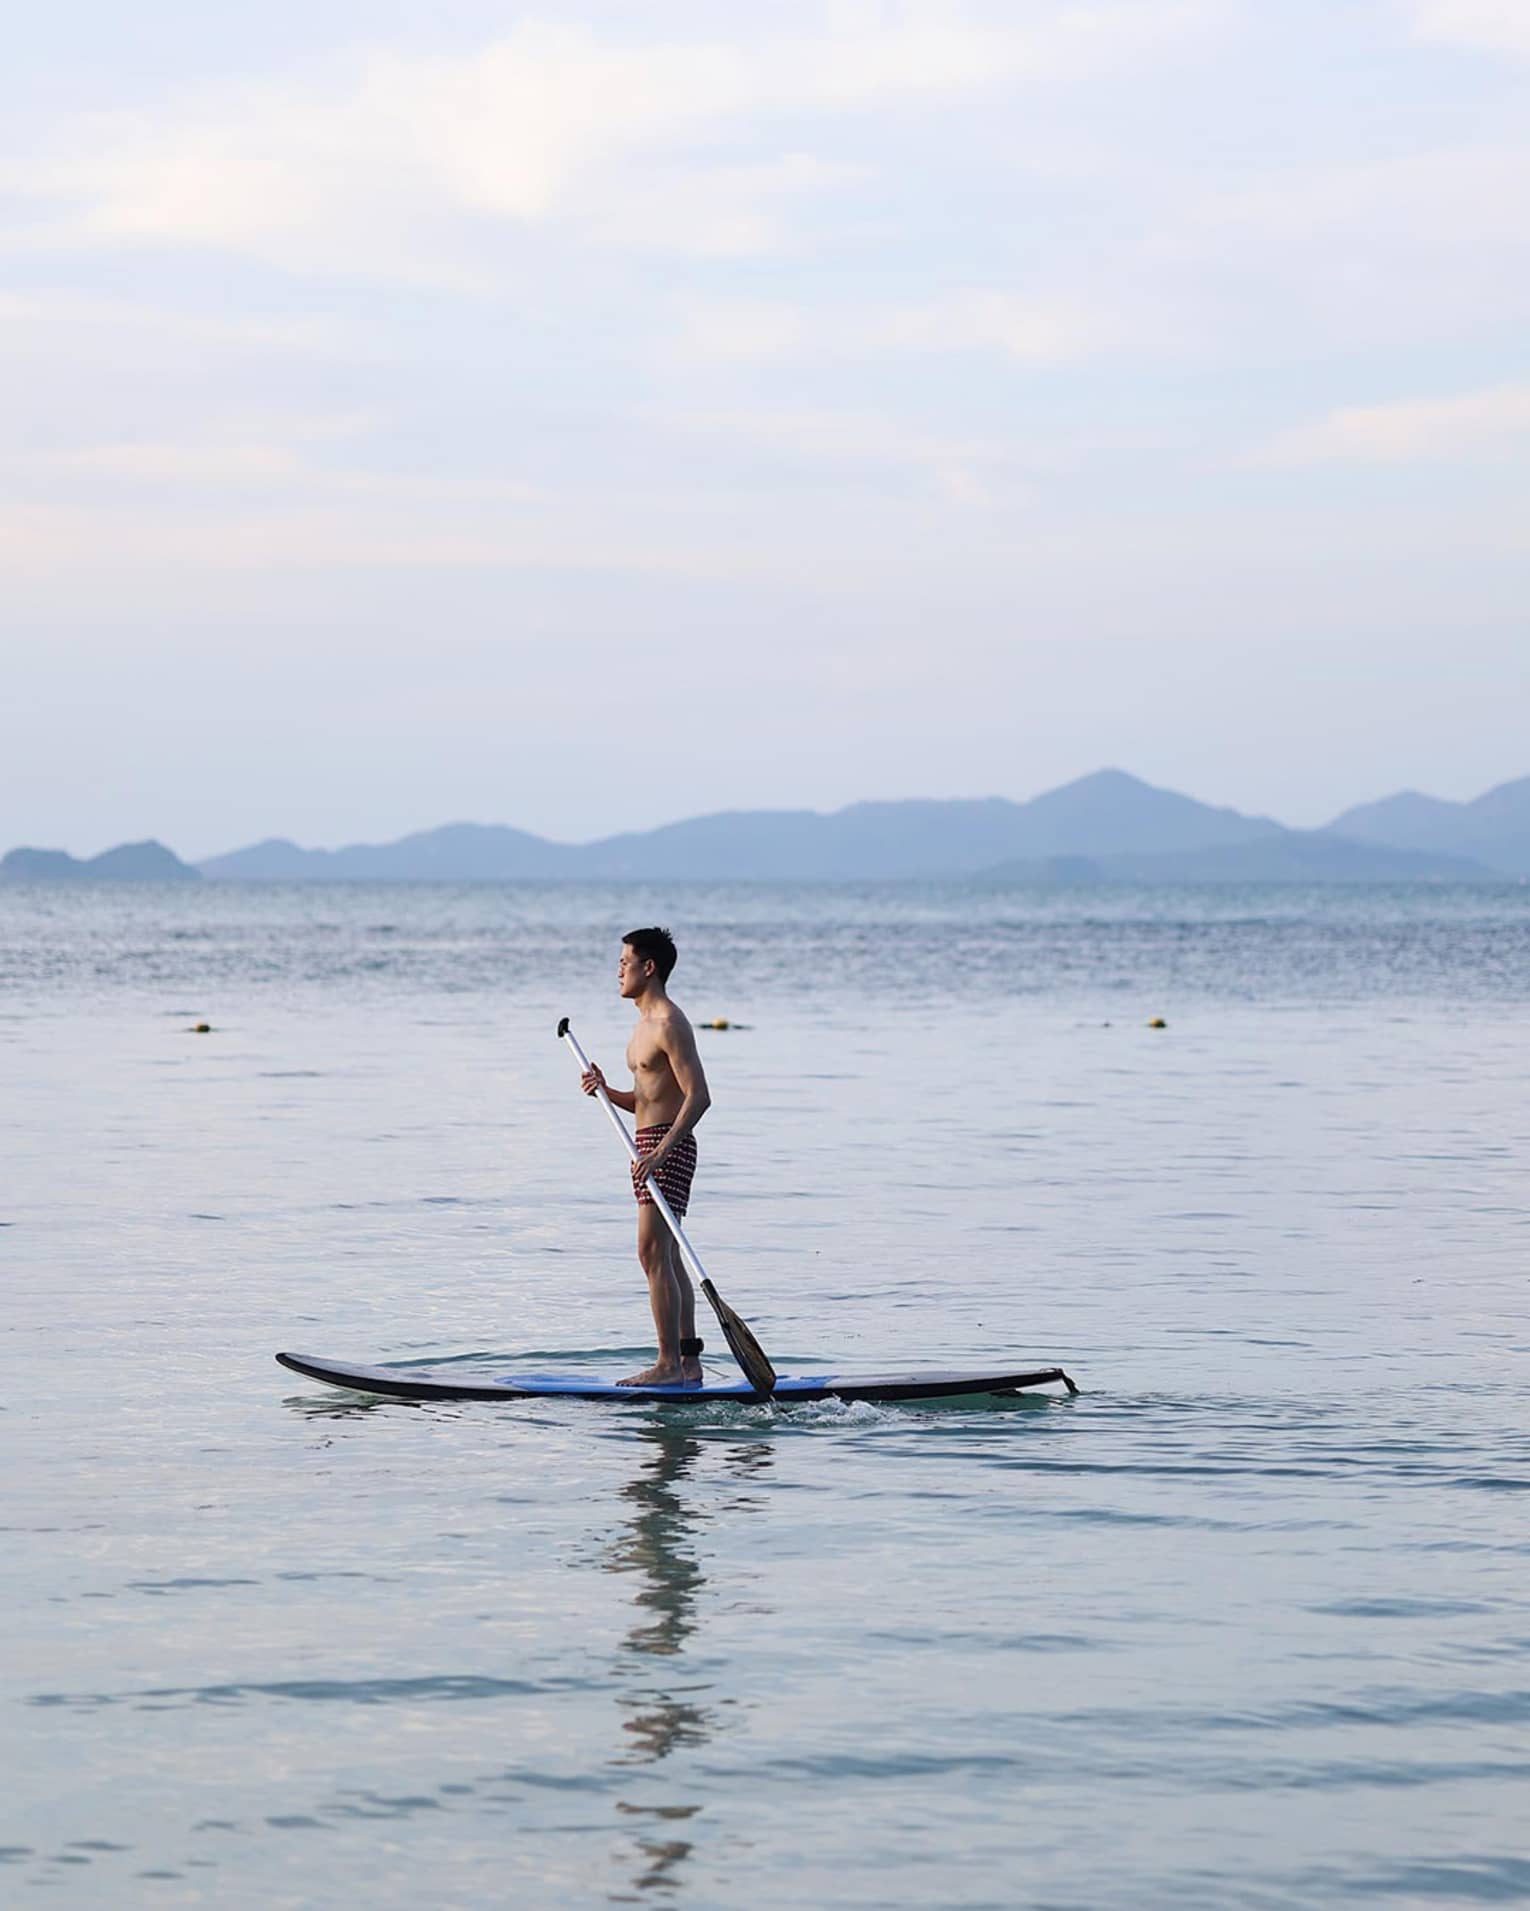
(630, 1145)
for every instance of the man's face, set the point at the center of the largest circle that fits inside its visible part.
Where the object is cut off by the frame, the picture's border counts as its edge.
(633, 974)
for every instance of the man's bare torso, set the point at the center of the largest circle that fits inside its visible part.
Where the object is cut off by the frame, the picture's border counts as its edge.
(657, 1095)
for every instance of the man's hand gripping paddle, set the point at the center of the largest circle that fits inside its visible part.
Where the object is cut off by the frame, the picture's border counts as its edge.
(746, 1350)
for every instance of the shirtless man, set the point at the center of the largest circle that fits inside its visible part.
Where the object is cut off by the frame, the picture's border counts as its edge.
(669, 1096)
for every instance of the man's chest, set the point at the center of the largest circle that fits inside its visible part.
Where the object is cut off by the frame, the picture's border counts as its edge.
(645, 1057)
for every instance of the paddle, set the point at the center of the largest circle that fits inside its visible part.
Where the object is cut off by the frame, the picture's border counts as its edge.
(746, 1350)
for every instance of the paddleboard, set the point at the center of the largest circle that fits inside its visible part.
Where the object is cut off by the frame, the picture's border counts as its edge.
(406, 1383)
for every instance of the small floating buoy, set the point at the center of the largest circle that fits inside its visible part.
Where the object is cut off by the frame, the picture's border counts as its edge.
(201, 1028)
(1158, 1022)
(720, 1022)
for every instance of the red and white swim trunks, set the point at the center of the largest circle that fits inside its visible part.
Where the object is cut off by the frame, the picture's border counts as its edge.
(675, 1172)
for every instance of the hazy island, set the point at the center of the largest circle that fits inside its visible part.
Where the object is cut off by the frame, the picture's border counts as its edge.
(1107, 827)
(129, 862)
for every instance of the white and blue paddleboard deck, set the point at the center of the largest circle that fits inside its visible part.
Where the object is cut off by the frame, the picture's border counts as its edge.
(405, 1383)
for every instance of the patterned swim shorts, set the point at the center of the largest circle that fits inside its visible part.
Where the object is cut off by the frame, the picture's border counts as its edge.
(674, 1173)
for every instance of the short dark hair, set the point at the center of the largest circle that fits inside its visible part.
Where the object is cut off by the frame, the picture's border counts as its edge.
(653, 945)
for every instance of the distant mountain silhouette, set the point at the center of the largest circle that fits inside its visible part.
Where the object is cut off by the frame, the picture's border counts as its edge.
(457, 852)
(1112, 813)
(129, 862)
(1493, 829)
(1102, 813)
(1109, 812)
(1108, 827)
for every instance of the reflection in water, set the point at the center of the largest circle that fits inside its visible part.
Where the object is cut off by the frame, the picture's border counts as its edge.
(659, 1858)
(665, 1704)
(655, 1543)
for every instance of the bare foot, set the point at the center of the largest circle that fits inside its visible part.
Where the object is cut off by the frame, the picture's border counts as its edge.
(690, 1372)
(656, 1376)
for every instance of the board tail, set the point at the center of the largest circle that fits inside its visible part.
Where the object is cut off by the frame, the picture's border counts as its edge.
(746, 1350)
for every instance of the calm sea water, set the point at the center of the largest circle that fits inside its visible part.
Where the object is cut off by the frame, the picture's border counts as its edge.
(1245, 1624)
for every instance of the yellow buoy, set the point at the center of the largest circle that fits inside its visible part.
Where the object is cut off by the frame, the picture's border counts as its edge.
(1158, 1022)
(201, 1028)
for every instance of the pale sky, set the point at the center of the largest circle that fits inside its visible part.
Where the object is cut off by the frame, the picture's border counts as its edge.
(594, 415)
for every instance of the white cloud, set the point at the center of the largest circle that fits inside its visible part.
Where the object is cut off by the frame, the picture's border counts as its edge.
(1423, 244)
(1030, 330)
(722, 212)
(961, 470)
(1033, 330)
(742, 331)
(179, 464)
(286, 466)
(1493, 26)
(1457, 196)
(74, 543)
(1406, 431)
(384, 162)
(53, 309)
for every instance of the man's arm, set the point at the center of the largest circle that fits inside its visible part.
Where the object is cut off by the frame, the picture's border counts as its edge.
(621, 1097)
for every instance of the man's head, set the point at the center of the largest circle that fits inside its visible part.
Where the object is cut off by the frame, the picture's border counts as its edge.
(648, 955)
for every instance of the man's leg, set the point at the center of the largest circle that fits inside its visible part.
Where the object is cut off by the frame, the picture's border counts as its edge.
(664, 1297)
(690, 1364)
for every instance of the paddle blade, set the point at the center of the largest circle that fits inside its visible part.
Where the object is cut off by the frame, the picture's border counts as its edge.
(746, 1350)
